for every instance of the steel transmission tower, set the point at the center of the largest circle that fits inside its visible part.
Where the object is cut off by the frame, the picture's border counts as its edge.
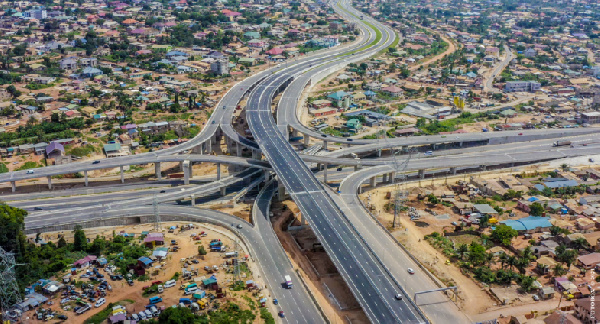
(400, 196)
(10, 294)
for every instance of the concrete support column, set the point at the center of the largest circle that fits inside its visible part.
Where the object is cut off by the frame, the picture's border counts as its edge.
(294, 132)
(238, 149)
(157, 171)
(434, 147)
(223, 191)
(392, 177)
(453, 171)
(512, 164)
(267, 176)
(14, 186)
(281, 192)
(209, 146)
(356, 168)
(193, 199)
(404, 148)
(306, 140)
(421, 174)
(187, 170)
(325, 173)
(384, 178)
(85, 178)
(218, 171)
(122, 174)
(379, 152)
(460, 144)
(318, 166)
(49, 182)
(325, 145)
(373, 182)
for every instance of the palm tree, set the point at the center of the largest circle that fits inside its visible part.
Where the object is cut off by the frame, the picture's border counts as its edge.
(462, 249)
(558, 270)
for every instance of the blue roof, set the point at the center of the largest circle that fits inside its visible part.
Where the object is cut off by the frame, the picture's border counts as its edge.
(370, 93)
(528, 223)
(145, 260)
(532, 199)
(338, 95)
(561, 184)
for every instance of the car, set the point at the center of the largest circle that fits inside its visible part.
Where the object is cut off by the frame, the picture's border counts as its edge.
(130, 282)
(281, 314)
(428, 153)
(96, 162)
(349, 140)
(584, 144)
(275, 301)
(339, 169)
(213, 122)
(398, 297)
(142, 315)
(411, 271)
(323, 135)
(135, 317)
(62, 317)
(30, 172)
(591, 160)
(224, 107)
(239, 226)
(163, 191)
(536, 298)
(37, 208)
(194, 261)
(520, 134)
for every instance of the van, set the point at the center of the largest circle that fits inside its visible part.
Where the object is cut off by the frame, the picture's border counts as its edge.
(135, 317)
(170, 283)
(160, 288)
(288, 282)
(185, 301)
(155, 300)
(154, 311)
(148, 313)
(142, 315)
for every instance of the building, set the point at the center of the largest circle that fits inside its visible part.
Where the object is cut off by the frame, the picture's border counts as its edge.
(54, 150)
(583, 309)
(522, 86)
(353, 125)
(220, 66)
(589, 261)
(530, 224)
(590, 117)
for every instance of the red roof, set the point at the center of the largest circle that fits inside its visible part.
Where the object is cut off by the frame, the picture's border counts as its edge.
(275, 51)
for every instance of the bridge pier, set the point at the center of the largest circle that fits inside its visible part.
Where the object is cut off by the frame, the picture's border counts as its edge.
(122, 174)
(49, 182)
(294, 132)
(157, 172)
(187, 170)
(193, 199)
(306, 140)
(460, 144)
(453, 171)
(373, 181)
(325, 145)
(85, 178)
(281, 192)
(209, 146)
(379, 153)
(223, 191)
(238, 149)
(325, 173)
(13, 185)
(218, 171)
(421, 174)
(405, 148)
(384, 178)
(392, 177)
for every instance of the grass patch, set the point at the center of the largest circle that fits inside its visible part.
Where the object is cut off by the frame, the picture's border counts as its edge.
(28, 165)
(266, 315)
(3, 168)
(82, 150)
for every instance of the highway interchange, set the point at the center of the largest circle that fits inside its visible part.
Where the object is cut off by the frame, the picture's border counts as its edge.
(358, 246)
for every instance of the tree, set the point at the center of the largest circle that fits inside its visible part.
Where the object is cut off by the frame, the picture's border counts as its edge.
(536, 209)
(462, 250)
(558, 270)
(503, 234)
(580, 243)
(432, 199)
(527, 283)
(201, 250)
(477, 254)
(79, 239)
(62, 242)
(555, 230)
(177, 315)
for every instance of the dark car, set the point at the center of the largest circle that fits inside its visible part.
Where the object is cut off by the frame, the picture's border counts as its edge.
(62, 317)
(349, 140)
(323, 135)
(37, 208)
(96, 162)
(162, 191)
(281, 314)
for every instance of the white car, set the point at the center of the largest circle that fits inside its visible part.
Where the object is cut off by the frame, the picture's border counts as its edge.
(100, 302)
(30, 172)
(411, 271)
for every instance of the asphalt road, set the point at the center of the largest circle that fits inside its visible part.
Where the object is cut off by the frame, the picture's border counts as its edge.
(488, 85)
(366, 277)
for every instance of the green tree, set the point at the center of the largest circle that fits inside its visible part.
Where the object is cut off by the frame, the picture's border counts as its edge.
(178, 315)
(432, 199)
(527, 283)
(536, 209)
(477, 254)
(503, 234)
(201, 250)
(79, 239)
(558, 270)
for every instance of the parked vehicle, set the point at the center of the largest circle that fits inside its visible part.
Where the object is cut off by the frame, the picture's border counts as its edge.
(170, 283)
(100, 302)
(142, 315)
(155, 299)
(160, 288)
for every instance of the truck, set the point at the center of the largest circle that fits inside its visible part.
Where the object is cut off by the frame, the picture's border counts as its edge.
(562, 143)
(288, 282)
(231, 254)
